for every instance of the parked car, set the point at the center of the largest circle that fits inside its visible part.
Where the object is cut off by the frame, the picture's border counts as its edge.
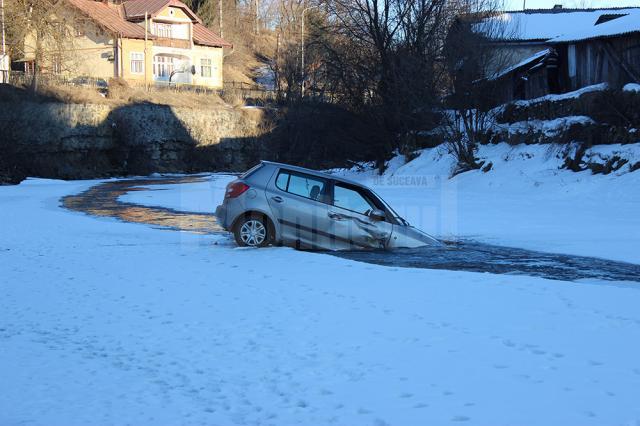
(275, 203)
(99, 84)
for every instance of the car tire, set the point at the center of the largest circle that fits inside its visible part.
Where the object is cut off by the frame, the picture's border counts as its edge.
(252, 231)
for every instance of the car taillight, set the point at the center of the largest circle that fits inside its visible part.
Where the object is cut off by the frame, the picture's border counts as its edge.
(235, 189)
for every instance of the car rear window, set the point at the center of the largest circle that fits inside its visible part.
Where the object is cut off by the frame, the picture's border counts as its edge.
(306, 186)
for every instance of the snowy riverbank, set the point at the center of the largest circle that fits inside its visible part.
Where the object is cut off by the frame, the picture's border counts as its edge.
(104, 322)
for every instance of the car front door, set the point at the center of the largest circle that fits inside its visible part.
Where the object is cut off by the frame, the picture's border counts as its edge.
(351, 224)
(300, 204)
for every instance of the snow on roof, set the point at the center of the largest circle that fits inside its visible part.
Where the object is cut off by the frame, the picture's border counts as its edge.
(629, 23)
(535, 57)
(546, 24)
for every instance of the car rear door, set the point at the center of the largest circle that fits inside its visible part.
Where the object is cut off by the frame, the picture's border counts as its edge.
(350, 221)
(299, 203)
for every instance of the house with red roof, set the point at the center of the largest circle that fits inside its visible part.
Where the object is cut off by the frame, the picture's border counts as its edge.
(141, 41)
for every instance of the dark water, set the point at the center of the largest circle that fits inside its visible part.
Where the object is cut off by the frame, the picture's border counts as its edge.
(102, 200)
(477, 257)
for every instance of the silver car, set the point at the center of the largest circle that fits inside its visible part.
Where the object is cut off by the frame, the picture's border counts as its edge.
(275, 203)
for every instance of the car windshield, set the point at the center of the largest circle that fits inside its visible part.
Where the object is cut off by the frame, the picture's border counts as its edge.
(393, 212)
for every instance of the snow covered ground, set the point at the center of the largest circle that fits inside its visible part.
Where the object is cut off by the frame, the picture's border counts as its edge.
(104, 322)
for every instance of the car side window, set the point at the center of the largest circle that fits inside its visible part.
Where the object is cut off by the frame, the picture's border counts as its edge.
(282, 180)
(303, 185)
(351, 199)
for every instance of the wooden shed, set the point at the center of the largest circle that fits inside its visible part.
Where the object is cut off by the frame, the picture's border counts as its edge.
(609, 52)
(588, 46)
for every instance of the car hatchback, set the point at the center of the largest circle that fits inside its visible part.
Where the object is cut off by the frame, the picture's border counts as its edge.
(275, 203)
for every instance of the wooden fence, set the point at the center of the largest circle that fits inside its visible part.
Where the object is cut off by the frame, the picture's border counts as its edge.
(250, 93)
(17, 78)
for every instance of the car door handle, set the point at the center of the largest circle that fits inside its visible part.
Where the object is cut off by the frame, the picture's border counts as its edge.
(335, 216)
(277, 199)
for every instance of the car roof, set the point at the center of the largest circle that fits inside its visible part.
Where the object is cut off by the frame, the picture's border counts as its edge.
(313, 172)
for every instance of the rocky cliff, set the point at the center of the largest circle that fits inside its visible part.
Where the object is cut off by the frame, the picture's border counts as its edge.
(71, 141)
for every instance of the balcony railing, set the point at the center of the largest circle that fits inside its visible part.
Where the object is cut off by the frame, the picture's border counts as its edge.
(172, 42)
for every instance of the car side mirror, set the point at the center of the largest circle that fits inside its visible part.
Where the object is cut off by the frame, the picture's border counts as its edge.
(377, 214)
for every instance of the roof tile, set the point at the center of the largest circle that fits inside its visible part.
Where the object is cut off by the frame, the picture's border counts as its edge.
(135, 9)
(205, 37)
(111, 18)
(108, 18)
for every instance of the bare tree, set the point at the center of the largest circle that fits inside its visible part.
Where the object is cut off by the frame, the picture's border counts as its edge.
(44, 29)
(473, 63)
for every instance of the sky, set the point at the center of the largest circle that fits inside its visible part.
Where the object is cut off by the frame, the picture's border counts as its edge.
(535, 4)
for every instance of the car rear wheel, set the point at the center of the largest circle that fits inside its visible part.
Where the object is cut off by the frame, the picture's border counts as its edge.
(252, 231)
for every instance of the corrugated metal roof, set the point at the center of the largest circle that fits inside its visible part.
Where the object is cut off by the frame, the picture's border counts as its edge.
(546, 24)
(108, 18)
(628, 24)
(537, 57)
(205, 37)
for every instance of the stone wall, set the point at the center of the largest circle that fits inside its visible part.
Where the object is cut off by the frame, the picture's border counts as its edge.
(70, 141)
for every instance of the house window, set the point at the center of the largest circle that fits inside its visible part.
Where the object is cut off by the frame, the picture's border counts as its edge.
(163, 30)
(137, 62)
(163, 66)
(205, 67)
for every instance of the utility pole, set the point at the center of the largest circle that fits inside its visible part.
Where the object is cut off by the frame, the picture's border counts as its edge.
(144, 67)
(4, 63)
(220, 17)
(302, 51)
(524, 5)
(276, 65)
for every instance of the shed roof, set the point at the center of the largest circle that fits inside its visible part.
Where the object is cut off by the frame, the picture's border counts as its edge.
(531, 61)
(546, 24)
(627, 24)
